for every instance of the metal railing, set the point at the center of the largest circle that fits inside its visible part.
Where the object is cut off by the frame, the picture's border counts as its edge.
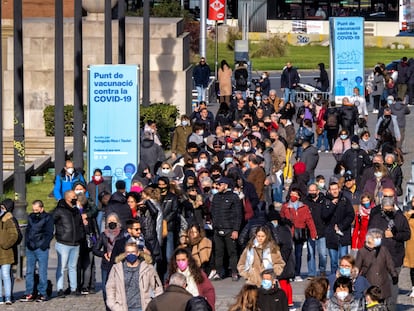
(301, 96)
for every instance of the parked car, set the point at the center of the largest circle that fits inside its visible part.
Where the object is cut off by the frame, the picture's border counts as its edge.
(392, 69)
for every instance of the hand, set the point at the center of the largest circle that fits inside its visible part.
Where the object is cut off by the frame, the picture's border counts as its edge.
(146, 251)
(394, 280)
(107, 256)
(267, 182)
(388, 233)
(336, 228)
(173, 156)
(234, 235)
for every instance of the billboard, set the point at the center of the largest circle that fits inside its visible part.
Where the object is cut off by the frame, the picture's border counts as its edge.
(113, 121)
(347, 55)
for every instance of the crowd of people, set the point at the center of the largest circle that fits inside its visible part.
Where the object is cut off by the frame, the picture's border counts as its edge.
(238, 197)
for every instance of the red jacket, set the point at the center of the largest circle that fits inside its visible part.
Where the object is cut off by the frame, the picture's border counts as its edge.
(360, 231)
(301, 217)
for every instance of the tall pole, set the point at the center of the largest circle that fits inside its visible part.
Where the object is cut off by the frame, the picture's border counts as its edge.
(203, 28)
(108, 32)
(146, 55)
(18, 143)
(59, 101)
(78, 89)
(1, 115)
(216, 53)
(121, 32)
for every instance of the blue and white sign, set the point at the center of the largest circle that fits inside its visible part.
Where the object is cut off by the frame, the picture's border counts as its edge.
(113, 121)
(347, 55)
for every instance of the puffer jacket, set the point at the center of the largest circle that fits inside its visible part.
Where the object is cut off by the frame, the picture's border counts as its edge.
(349, 304)
(8, 237)
(226, 211)
(283, 237)
(149, 284)
(68, 224)
(151, 230)
(169, 206)
(39, 231)
(65, 182)
(316, 206)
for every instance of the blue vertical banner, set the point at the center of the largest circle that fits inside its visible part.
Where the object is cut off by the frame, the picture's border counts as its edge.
(347, 55)
(113, 122)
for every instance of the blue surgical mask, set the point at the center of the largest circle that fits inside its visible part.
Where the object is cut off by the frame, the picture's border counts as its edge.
(184, 123)
(131, 258)
(343, 137)
(267, 284)
(366, 205)
(228, 160)
(247, 165)
(389, 101)
(345, 271)
(377, 242)
(214, 191)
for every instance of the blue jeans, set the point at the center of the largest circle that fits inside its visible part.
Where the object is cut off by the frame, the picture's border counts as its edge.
(298, 257)
(335, 255)
(277, 191)
(99, 220)
(323, 138)
(289, 94)
(5, 277)
(67, 260)
(201, 93)
(104, 276)
(42, 258)
(320, 246)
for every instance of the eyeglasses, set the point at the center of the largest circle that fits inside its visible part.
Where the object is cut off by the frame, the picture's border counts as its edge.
(137, 229)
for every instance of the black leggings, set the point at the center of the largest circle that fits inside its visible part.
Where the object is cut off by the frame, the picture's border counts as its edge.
(412, 276)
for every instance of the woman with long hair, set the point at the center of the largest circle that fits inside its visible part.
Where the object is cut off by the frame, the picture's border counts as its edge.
(133, 200)
(316, 295)
(246, 299)
(197, 282)
(361, 221)
(200, 246)
(224, 75)
(261, 253)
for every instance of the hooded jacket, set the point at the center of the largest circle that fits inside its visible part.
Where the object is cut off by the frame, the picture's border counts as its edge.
(8, 237)
(118, 205)
(39, 231)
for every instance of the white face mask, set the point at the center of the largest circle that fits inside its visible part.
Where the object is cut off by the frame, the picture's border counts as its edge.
(342, 172)
(246, 148)
(341, 295)
(78, 192)
(378, 174)
(70, 170)
(201, 133)
(203, 161)
(165, 171)
(263, 76)
(98, 177)
(184, 123)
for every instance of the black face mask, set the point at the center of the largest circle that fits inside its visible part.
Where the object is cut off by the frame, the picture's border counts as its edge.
(74, 202)
(112, 225)
(206, 189)
(192, 197)
(312, 195)
(215, 176)
(272, 140)
(389, 214)
(143, 174)
(163, 190)
(387, 117)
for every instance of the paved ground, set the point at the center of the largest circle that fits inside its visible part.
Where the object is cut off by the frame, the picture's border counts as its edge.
(226, 289)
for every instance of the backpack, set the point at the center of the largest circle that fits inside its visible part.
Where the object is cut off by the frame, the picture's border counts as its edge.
(241, 81)
(198, 303)
(332, 120)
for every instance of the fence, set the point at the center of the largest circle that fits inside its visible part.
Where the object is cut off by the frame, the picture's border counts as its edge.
(301, 96)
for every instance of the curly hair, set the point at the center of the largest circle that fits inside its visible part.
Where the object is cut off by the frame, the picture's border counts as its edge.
(268, 242)
(246, 299)
(192, 265)
(153, 193)
(317, 289)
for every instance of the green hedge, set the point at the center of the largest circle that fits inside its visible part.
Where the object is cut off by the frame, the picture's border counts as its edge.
(165, 116)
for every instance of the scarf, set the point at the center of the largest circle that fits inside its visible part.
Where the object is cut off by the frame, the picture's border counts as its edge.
(97, 182)
(364, 211)
(192, 287)
(266, 257)
(111, 234)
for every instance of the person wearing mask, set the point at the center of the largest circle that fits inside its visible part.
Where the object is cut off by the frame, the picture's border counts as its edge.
(375, 185)
(409, 246)
(96, 186)
(396, 230)
(118, 203)
(288, 82)
(69, 231)
(394, 172)
(132, 282)
(271, 297)
(180, 136)
(387, 124)
(300, 216)
(359, 101)
(399, 109)
(343, 298)
(66, 179)
(361, 221)
(355, 159)
(224, 75)
(378, 85)
(341, 145)
(226, 213)
(201, 76)
(265, 83)
(39, 234)
(348, 114)
(338, 215)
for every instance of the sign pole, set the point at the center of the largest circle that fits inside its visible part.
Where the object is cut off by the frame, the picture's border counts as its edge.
(216, 53)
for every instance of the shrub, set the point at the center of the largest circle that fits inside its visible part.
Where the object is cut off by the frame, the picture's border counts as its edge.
(165, 116)
(275, 46)
(232, 35)
(49, 119)
(193, 27)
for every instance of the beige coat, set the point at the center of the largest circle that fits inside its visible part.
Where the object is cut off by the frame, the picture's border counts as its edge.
(149, 284)
(202, 251)
(253, 274)
(409, 246)
(224, 78)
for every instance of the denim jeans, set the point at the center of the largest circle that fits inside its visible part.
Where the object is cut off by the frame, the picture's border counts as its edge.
(67, 260)
(201, 93)
(5, 277)
(289, 94)
(41, 258)
(104, 277)
(335, 255)
(320, 246)
(100, 221)
(323, 138)
(298, 257)
(277, 192)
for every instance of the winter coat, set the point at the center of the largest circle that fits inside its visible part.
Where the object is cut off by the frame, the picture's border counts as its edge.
(175, 298)
(340, 147)
(283, 238)
(356, 160)
(272, 299)
(359, 283)
(239, 72)
(289, 78)
(400, 110)
(118, 205)
(169, 207)
(310, 157)
(252, 272)
(371, 183)
(65, 182)
(149, 286)
(224, 79)
(278, 155)
(349, 304)
(376, 265)
(39, 231)
(332, 111)
(348, 114)
(341, 214)
(312, 304)
(149, 155)
(101, 248)
(378, 84)
(151, 229)
(95, 189)
(201, 75)
(226, 211)
(180, 138)
(257, 177)
(377, 307)
(400, 230)
(316, 206)
(409, 246)
(249, 230)
(201, 251)
(360, 231)
(392, 127)
(8, 237)
(69, 228)
(301, 217)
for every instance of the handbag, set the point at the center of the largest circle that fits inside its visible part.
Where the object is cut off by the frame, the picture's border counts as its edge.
(300, 235)
(248, 209)
(319, 130)
(164, 228)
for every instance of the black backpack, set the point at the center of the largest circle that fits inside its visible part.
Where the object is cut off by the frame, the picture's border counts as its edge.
(332, 120)
(198, 304)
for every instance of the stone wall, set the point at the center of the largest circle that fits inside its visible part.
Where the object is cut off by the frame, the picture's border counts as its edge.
(170, 68)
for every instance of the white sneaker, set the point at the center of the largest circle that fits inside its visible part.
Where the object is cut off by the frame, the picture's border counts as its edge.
(298, 279)
(375, 111)
(412, 294)
(212, 274)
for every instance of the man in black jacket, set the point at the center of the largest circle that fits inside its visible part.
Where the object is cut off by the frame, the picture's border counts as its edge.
(226, 213)
(39, 233)
(271, 297)
(68, 232)
(396, 231)
(118, 204)
(316, 202)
